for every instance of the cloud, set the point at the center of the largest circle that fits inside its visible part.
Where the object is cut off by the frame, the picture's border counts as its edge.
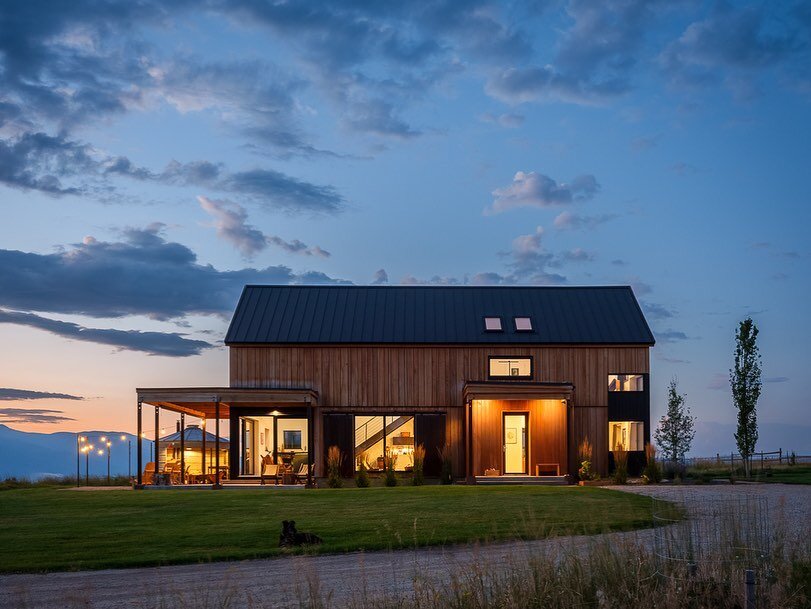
(170, 344)
(640, 144)
(37, 161)
(683, 169)
(670, 336)
(595, 59)
(142, 274)
(577, 254)
(718, 382)
(619, 262)
(32, 415)
(532, 189)
(508, 120)
(231, 222)
(655, 311)
(28, 394)
(776, 379)
(380, 277)
(530, 261)
(568, 220)
(731, 45)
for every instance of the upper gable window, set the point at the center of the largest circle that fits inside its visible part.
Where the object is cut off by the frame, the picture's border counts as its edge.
(493, 324)
(626, 382)
(523, 324)
(509, 367)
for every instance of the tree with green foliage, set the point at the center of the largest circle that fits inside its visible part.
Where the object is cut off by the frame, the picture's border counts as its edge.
(744, 378)
(676, 429)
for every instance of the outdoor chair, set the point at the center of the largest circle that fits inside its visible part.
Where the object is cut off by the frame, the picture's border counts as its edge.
(148, 476)
(269, 470)
(301, 474)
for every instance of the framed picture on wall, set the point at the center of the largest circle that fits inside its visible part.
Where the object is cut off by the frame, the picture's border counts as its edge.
(261, 437)
(511, 435)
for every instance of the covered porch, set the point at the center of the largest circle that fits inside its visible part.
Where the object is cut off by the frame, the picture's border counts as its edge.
(517, 432)
(218, 464)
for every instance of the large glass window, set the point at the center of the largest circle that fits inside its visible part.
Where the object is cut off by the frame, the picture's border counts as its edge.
(510, 367)
(626, 382)
(630, 435)
(379, 436)
(259, 440)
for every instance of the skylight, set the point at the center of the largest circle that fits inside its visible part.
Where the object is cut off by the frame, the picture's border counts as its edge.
(493, 324)
(523, 324)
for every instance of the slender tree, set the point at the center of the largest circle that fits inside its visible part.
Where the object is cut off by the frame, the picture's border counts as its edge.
(744, 378)
(676, 429)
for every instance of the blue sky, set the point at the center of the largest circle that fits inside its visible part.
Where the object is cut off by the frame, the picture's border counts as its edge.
(155, 157)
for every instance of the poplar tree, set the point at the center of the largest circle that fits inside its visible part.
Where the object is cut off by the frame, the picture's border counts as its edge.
(744, 378)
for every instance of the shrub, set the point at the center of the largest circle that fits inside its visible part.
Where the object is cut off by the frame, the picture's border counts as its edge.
(446, 477)
(389, 463)
(652, 473)
(419, 463)
(620, 464)
(334, 460)
(362, 477)
(674, 470)
(585, 452)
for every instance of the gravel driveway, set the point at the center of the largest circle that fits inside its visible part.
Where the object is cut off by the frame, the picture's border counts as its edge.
(285, 582)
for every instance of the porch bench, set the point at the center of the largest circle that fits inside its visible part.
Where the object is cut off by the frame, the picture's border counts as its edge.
(539, 467)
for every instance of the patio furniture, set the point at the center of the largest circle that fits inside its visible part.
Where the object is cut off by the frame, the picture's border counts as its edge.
(301, 475)
(547, 467)
(269, 470)
(149, 473)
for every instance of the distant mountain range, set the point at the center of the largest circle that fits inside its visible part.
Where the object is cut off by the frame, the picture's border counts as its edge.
(34, 455)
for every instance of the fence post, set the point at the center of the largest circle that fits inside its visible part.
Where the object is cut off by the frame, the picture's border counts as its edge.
(780, 457)
(749, 583)
(718, 458)
(761, 460)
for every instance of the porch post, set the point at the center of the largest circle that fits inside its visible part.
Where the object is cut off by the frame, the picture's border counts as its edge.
(203, 456)
(182, 448)
(217, 443)
(471, 475)
(310, 441)
(140, 481)
(156, 444)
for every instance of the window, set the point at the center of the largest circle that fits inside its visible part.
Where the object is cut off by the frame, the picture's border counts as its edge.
(626, 382)
(492, 324)
(378, 437)
(510, 367)
(628, 434)
(523, 324)
(292, 439)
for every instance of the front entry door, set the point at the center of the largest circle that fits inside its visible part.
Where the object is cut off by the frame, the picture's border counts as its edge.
(515, 443)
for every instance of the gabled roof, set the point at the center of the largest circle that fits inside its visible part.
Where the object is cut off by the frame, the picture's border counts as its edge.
(436, 315)
(193, 434)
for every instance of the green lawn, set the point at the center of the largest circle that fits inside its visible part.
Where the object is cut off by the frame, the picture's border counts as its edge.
(61, 529)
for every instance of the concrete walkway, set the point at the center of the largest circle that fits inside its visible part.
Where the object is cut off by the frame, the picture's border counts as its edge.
(289, 581)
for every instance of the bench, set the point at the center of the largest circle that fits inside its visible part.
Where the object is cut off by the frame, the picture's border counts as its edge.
(547, 467)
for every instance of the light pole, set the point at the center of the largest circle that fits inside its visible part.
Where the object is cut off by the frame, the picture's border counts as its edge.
(109, 453)
(79, 441)
(129, 456)
(87, 448)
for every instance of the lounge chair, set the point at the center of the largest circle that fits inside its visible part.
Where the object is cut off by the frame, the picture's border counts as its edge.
(301, 474)
(269, 470)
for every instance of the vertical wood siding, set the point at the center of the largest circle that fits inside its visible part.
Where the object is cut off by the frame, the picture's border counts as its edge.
(378, 377)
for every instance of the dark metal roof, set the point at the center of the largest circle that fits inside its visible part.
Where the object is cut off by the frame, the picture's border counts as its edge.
(436, 315)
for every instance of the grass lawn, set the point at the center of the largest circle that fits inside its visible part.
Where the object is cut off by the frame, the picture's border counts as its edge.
(48, 529)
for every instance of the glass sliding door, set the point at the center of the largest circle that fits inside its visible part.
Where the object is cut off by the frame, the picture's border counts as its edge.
(248, 431)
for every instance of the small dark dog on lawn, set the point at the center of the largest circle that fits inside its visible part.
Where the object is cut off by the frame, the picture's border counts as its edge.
(291, 537)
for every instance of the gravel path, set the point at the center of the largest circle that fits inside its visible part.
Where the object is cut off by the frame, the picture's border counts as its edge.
(285, 582)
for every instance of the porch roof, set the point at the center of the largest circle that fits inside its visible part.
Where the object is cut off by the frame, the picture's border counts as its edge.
(201, 401)
(516, 390)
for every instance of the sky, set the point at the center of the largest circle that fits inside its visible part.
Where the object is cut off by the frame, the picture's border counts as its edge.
(155, 157)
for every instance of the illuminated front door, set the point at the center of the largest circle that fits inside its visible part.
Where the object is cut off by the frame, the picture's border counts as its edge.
(515, 443)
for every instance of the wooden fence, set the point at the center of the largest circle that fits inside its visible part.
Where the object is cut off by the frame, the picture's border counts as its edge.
(761, 459)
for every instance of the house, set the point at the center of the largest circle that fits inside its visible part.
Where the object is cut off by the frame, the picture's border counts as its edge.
(504, 380)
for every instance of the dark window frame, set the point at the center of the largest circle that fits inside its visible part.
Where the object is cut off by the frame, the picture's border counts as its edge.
(384, 414)
(531, 375)
(531, 324)
(641, 374)
(500, 321)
